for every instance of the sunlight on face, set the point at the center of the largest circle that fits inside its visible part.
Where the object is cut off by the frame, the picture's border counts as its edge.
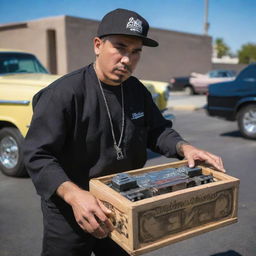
(117, 57)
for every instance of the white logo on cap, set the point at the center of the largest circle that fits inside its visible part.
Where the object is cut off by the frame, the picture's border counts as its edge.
(134, 25)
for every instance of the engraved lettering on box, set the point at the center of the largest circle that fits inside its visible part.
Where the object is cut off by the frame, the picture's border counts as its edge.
(118, 219)
(178, 216)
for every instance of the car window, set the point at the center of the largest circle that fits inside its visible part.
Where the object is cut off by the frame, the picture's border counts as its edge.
(249, 72)
(231, 73)
(20, 63)
(213, 74)
(222, 74)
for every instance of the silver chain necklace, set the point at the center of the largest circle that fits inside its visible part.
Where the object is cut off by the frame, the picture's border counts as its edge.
(119, 153)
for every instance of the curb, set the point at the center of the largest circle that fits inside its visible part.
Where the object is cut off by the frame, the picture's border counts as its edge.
(186, 107)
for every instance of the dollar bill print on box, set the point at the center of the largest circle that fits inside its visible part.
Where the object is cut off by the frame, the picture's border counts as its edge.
(177, 216)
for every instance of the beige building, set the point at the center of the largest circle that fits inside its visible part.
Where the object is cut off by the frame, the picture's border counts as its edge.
(64, 43)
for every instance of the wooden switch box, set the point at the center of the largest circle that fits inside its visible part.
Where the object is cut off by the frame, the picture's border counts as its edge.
(151, 223)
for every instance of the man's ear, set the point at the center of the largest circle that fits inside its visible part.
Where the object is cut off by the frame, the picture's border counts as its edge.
(97, 42)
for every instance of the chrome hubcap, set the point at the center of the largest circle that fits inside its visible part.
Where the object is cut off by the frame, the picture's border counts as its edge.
(9, 152)
(250, 121)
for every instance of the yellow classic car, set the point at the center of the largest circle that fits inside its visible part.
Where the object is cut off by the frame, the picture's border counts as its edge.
(159, 91)
(21, 77)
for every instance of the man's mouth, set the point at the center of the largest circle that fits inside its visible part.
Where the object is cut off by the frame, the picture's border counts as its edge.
(123, 70)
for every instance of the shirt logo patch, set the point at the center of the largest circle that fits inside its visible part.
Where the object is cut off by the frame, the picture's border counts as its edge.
(134, 25)
(137, 115)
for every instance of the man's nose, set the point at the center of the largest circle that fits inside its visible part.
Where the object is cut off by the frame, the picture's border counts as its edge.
(125, 59)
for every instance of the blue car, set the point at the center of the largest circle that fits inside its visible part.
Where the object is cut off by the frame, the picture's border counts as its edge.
(236, 100)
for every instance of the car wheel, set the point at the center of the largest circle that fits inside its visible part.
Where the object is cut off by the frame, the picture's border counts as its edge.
(188, 90)
(11, 156)
(247, 121)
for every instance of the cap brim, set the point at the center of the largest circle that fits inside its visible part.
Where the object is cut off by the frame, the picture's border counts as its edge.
(149, 42)
(145, 40)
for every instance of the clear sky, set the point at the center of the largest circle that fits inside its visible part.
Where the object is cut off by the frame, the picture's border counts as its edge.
(232, 20)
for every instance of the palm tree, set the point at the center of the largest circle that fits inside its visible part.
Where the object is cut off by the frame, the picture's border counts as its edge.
(221, 47)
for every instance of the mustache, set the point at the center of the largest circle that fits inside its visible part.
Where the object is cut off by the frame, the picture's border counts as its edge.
(124, 67)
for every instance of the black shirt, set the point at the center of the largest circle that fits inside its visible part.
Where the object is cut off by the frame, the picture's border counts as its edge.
(70, 135)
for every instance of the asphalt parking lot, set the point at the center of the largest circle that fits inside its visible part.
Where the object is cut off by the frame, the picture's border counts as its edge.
(20, 216)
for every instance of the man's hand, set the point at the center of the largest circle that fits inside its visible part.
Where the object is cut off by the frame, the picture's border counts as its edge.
(90, 214)
(192, 154)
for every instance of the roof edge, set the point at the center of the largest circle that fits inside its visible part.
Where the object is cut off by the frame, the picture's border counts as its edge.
(16, 25)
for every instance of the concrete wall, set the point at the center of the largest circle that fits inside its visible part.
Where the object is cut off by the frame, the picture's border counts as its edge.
(178, 54)
(65, 43)
(80, 34)
(22, 37)
(58, 25)
(32, 36)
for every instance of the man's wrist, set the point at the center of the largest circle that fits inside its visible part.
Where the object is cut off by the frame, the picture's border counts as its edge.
(179, 148)
(66, 191)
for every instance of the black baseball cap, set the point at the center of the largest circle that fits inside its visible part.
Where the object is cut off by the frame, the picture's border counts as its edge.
(125, 22)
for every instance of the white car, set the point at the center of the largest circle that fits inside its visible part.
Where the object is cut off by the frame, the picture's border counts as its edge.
(200, 82)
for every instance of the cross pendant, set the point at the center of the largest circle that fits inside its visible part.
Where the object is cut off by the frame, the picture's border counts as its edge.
(119, 153)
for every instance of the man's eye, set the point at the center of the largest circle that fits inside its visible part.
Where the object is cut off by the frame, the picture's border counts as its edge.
(120, 48)
(137, 52)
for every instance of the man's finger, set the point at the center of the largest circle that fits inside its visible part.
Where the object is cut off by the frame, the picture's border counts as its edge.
(97, 227)
(191, 161)
(109, 214)
(84, 224)
(215, 161)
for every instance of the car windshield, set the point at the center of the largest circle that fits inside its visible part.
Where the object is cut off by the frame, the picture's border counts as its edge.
(13, 63)
(222, 73)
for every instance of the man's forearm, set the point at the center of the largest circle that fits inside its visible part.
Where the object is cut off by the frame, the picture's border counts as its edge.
(67, 191)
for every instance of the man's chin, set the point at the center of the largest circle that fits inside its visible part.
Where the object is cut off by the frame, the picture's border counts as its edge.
(119, 79)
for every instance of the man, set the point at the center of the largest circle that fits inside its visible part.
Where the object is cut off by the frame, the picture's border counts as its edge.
(92, 122)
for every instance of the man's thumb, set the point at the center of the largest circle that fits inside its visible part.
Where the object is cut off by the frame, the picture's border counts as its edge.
(104, 208)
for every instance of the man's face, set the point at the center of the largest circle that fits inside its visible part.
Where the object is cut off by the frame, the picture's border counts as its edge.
(117, 57)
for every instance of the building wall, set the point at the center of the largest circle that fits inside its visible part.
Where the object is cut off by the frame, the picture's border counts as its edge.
(58, 26)
(23, 37)
(32, 36)
(178, 54)
(80, 34)
(65, 43)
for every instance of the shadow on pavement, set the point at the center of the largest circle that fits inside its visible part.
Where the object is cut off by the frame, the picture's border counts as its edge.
(232, 134)
(235, 134)
(228, 253)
